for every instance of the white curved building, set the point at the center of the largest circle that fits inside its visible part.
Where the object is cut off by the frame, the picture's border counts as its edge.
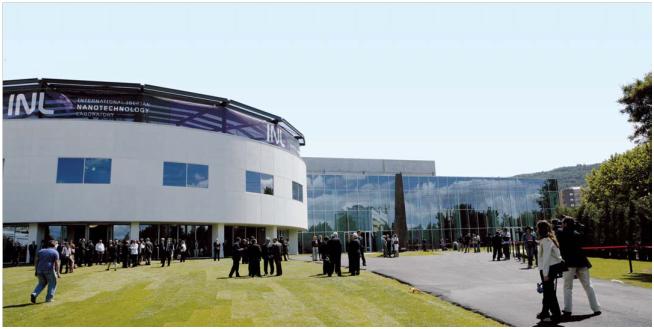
(110, 160)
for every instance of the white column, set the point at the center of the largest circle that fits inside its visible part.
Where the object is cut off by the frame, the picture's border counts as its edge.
(292, 242)
(134, 231)
(32, 235)
(271, 232)
(218, 232)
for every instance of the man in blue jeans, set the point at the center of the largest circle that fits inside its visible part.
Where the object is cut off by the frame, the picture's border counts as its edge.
(47, 271)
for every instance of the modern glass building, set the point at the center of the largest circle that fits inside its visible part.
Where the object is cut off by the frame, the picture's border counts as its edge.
(106, 160)
(111, 160)
(347, 195)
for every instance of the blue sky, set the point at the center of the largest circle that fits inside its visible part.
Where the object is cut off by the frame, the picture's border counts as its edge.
(482, 89)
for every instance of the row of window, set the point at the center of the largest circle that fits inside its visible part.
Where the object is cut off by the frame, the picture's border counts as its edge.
(98, 171)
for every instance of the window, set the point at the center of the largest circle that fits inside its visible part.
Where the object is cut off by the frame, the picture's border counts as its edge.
(185, 175)
(252, 182)
(83, 171)
(97, 171)
(297, 192)
(259, 183)
(267, 184)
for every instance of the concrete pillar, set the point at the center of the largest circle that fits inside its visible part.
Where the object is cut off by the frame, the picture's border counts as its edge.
(32, 235)
(271, 232)
(134, 231)
(218, 232)
(292, 242)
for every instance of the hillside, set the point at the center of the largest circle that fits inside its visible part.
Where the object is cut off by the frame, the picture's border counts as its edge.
(567, 176)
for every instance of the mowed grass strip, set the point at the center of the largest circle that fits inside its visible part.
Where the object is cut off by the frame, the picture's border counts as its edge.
(618, 269)
(198, 293)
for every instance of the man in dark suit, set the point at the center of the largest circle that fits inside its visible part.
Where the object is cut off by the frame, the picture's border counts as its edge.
(162, 252)
(254, 259)
(335, 248)
(277, 255)
(149, 248)
(362, 245)
(266, 253)
(236, 257)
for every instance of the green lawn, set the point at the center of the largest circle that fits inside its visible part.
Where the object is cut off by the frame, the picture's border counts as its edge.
(408, 253)
(618, 269)
(197, 293)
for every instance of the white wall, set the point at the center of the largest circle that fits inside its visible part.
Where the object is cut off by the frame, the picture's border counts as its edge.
(31, 148)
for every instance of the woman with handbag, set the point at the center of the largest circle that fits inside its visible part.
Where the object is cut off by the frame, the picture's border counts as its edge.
(549, 264)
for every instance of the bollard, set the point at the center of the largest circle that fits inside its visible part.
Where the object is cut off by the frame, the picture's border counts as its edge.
(631, 269)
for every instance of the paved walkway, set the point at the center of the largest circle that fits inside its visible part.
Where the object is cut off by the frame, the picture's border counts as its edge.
(506, 291)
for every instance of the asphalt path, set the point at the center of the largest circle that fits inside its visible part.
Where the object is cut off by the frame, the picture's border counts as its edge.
(506, 290)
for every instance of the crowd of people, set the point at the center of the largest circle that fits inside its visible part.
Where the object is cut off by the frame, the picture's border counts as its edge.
(248, 251)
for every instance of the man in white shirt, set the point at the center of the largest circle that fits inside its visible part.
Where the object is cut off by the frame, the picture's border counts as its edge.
(99, 251)
(506, 243)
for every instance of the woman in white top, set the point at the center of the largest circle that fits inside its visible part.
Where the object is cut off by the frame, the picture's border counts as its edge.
(548, 255)
(182, 250)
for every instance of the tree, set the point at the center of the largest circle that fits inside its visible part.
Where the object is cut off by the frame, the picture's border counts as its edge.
(619, 197)
(637, 98)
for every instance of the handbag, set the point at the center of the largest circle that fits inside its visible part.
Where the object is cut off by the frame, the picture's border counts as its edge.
(556, 270)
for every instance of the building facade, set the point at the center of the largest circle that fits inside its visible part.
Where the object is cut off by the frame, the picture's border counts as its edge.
(347, 195)
(571, 197)
(125, 161)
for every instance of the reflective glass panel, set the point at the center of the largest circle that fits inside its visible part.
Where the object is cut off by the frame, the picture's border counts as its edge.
(267, 184)
(174, 174)
(70, 170)
(97, 171)
(252, 182)
(197, 175)
(121, 232)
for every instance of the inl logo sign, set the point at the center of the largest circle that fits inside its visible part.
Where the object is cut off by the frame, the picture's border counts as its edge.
(274, 135)
(21, 101)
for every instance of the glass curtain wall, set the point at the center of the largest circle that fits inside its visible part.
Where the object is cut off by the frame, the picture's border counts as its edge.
(438, 209)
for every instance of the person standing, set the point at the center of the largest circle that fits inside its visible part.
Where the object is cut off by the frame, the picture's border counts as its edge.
(384, 248)
(99, 252)
(134, 253)
(254, 259)
(578, 265)
(277, 251)
(162, 252)
(216, 250)
(236, 257)
(506, 243)
(47, 272)
(496, 242)
(31, 249)
(284, 242)
(65, 257)
(90, 253)
(170, 251)
(315, 245)
(548, 255)
(362, 247)
(183, 251)
(324, 255)
(529, 240)
(149, 247)
(244, 246)
(396, 245)
(112, 254)
(466, 243)
(266, 255)
(335, 249)
(353, 250)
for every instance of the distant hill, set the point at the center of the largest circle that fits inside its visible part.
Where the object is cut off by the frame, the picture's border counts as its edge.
(567, 176)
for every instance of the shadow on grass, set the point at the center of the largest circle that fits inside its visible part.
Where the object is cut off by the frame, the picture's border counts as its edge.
(642, 277)
(19, 305)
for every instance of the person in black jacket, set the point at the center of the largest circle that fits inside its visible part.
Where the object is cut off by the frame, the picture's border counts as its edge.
(354, 253)
(284, 242)
(267, 255)
(125, 253)
(162, 252)
(244, 245)
(362, 247)
(277, 255)
(324, 256)
(335, 249)
(254, 259)
(236, 257)
(112, 253)
(496, 241)
(578, 264)
(90, 253)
